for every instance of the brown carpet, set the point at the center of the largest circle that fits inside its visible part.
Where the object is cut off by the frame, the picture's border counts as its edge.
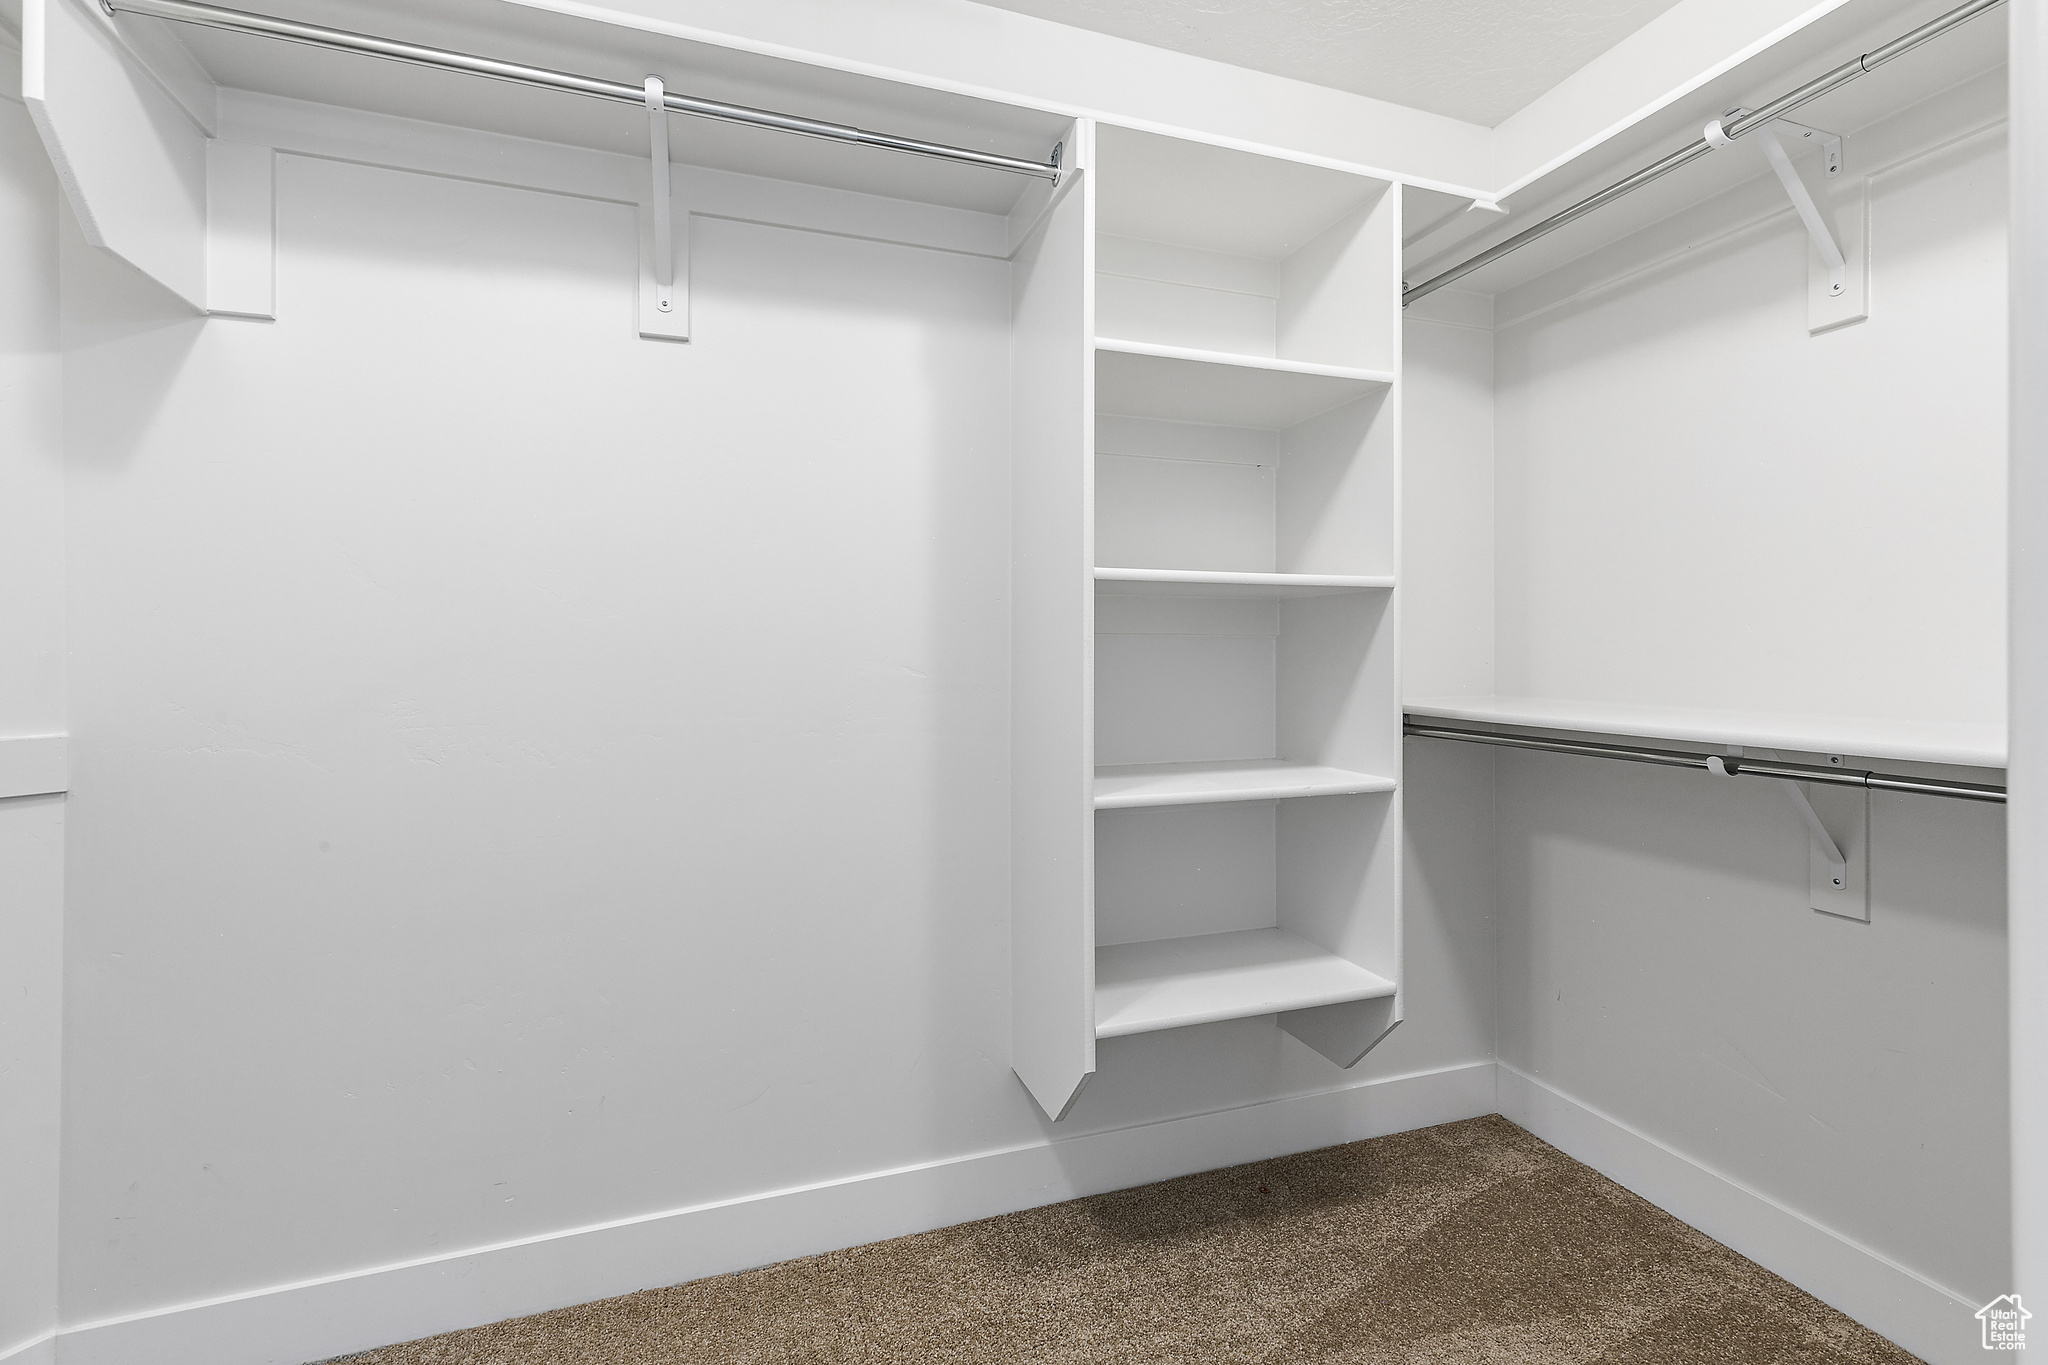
(1472, 1242)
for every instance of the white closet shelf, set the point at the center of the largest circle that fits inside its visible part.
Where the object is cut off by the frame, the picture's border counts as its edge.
(1197, 784)
(1137, 379)
(1168, 983)
(1960, 743)
(1223, 583)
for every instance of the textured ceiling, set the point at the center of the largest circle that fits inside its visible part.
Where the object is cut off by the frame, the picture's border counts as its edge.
(1478, 60)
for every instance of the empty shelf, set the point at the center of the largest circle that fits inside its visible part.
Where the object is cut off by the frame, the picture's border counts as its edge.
(1194, 784)
(1962, 743)
(1136, 379)
(1167, 983)
(1223, 583)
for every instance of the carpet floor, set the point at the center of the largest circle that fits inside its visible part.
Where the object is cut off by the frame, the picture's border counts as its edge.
(1470, 1242)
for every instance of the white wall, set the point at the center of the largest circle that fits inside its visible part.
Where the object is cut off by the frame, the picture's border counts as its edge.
(1697, 503)
(530, 777)
(31, 703)
(1447, 543)
(2029, 948)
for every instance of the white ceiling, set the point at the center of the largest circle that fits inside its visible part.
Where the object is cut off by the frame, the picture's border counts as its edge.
(1477, 60)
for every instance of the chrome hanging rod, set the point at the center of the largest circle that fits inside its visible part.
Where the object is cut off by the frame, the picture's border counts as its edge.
(1731, 128)
(1731, 766)
(291, 31)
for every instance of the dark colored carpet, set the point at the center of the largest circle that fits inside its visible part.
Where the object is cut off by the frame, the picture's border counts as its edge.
(1472, 1242)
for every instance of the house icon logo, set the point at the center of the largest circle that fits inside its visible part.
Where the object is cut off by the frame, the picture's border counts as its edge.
(2005, 1323)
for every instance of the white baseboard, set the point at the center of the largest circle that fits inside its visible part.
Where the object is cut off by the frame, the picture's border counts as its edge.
(1933, 1323)
(41, 1351)
(294, 1323)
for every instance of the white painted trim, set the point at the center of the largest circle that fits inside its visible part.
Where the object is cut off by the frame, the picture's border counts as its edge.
(1927, 1319)
(40, 1350)
(291, 1323)
(34, 765)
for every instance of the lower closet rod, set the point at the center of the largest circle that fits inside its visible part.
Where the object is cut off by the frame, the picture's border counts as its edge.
(1693, 151)
(1732, 766)
(364, 44)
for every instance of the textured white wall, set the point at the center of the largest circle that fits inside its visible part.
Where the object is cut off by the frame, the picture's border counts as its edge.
(31, 703)
(1447, 542)
(1700, 504)
(1660, 964)
(2029, 954)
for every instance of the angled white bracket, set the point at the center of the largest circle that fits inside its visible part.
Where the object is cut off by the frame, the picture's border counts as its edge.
(1817, 226)
(1837, 821)
(1829, 143)
(664, 307)
(1837, 222)
(1830, 851)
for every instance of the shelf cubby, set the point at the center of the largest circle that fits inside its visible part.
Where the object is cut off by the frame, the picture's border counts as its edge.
(1206, 978)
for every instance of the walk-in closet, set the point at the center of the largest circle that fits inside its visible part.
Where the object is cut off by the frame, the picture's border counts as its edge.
(991, 681)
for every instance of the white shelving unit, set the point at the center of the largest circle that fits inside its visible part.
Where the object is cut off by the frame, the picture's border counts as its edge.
(1207, 607)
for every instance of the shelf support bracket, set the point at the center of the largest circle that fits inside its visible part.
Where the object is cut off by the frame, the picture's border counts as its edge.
(1803, 204)
(1838, 281)
(664, 247)
(663, 314)
(1838, 858)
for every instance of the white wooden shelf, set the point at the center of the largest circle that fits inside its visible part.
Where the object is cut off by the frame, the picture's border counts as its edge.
(1196, 784)
(1967, 745)
(1168, 983)
(1176, 384)
(1220, 583)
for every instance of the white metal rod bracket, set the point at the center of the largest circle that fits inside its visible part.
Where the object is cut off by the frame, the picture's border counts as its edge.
(664, 246)
(1838, 842)
(664, 235)
(1838, 284)
(1829, 143)
(1802, 203)
(1831, 852)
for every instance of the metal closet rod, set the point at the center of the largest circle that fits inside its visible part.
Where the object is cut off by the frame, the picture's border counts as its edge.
(265, 26)
(1732, 766)
(1733, 128)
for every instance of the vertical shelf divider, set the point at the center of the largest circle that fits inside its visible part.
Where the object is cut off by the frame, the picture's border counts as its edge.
(1052, 909)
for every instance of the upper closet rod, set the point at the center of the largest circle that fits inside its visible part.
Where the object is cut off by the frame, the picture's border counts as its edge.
(263, 25)
(1733, 766)
(1731, 128)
